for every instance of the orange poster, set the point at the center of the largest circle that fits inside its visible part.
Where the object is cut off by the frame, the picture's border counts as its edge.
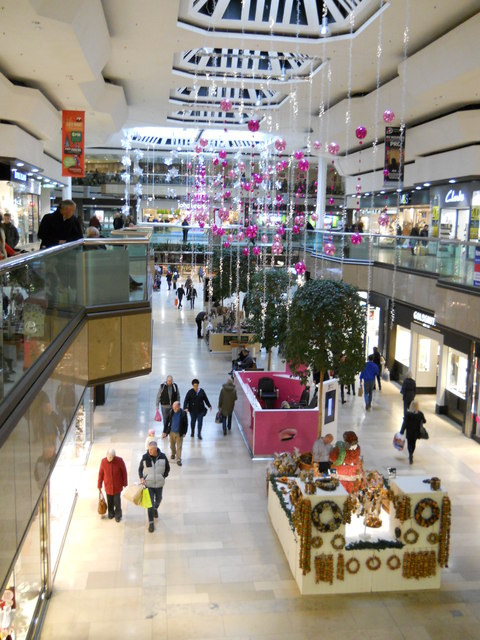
(73, 144)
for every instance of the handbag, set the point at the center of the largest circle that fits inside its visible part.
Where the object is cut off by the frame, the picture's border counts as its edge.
(399, 441)
(219, 417)
(360, 391)
(158, 416)
(102, 505)
(146, 502)
(133, 493)
(423, 435)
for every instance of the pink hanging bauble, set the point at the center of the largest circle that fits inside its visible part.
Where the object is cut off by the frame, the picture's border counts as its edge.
(279, 198)
(300, 268)
(298, 155)
(256, 251)
(386, 172)
(329, 248)
(215, 161)
(331, 201)
(226, 244)
(281, 230)
(220, 231)
(300, 220)
(247, 186)
(251, 231)
(245, 251)
(360, 132)
(253, 125)
(227, 194)
(257, 178)
(284, 164)
(388, 115)
(231, 174)
(231, 237)
(198, 149)
(303, 165)
(296, 229)
(240, 236)
(333, 148)
(224, 164)
(314, 217)
(203, 142)
(383, 220)
(280, 144)
(214, 229)
(279, 167)
(264, 238)
(356, 238)
(226, 104)
(201, 224)
(189, 165)
(241, 166)
(317, 145)
(222, 154)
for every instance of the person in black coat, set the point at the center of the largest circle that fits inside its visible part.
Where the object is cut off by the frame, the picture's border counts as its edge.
(412, 422)
(60, 227)
(377, 358)
(194, 403)
(408, 391)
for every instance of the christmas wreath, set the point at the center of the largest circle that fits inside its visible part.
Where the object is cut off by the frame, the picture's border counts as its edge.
(373, 563)
(335, 521)
(338, 542)
(425, 505)
(410, 536)
(352, 566)
(394, 562)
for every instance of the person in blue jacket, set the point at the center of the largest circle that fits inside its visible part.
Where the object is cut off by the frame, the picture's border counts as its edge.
(368, 375)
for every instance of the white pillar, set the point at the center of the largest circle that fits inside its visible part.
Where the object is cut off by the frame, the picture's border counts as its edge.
(321, 191)
(67, 190)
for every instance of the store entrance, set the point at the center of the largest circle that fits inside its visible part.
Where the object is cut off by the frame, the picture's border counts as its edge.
(426, 349)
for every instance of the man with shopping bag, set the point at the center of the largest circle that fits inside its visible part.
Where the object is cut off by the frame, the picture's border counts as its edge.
(154, 468)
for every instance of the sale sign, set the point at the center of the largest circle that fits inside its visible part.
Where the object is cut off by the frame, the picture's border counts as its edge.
(73, 144)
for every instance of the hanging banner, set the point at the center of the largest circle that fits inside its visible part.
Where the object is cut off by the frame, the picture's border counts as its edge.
(474, 223)
(394, 156)
(476, 268)
(73, 141)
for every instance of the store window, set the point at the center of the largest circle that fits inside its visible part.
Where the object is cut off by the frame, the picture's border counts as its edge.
(457, 373)
(403, 346)
(423, 361)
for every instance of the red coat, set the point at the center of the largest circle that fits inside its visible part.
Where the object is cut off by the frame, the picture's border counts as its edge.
(113, 474)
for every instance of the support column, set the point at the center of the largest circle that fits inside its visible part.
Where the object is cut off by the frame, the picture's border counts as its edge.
(67, 190)
(321, 192)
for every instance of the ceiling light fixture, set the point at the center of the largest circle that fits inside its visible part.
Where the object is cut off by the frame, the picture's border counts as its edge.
(20, 164)
(452, 181)
(426, 184)
(324, 29)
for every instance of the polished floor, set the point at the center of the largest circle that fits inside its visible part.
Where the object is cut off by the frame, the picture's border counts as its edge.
(213, 568)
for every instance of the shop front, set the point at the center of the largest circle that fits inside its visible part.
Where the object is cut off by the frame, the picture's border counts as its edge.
(20, 196)
(375, 324)
(403, 210)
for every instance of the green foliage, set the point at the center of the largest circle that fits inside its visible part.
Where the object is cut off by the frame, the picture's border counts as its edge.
(268, 287)
(326, 329)
(221, 291)
(378, 545)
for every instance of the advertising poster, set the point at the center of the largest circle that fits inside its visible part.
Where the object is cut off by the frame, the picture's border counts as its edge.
(394, 156)
(73, 141)
(474, 220)
(435, 221)
(476, 268)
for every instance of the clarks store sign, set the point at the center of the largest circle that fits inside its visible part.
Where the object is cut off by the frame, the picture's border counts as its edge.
(454, 196)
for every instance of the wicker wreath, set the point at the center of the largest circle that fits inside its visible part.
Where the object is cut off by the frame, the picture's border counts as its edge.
(335, 521)
(373, 563)
(433, 538)
(316, 542)
(425, 504)
(327, 485)
(394, 562)
(352, 566)
(410, 536)
(338, 542)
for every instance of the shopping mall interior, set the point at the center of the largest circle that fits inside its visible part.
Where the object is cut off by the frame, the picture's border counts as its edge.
(337, 141)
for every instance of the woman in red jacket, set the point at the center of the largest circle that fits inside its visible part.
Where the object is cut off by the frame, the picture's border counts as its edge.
(113, 474)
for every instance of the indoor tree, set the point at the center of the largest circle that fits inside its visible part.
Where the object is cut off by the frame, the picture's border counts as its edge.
(326, 331)
(266, 303)
(221, 286)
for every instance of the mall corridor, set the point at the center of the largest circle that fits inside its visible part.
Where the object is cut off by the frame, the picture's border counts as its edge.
(213, 567)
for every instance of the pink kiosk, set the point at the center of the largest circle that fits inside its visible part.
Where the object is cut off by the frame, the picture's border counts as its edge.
(269, 429)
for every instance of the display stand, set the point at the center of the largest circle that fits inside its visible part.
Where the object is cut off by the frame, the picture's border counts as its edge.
(332, 561)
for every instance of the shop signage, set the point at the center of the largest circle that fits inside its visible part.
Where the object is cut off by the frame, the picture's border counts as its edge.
(73, 144)
(405, 198)
(424, 318)
(454, 196)
(19, 176)
(476, 268)
(394, 155)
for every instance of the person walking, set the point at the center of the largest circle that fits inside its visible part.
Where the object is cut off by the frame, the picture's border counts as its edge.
(185, 229)
(113, 474)
(226, 404)
(194, 403)
(169, 279)
(192, 295)
(413, 420)
(200, 274)
(11, 232)
(368, 375)
(176, 426)
(200, 317)
(377, 358)
(60, 227)
(168, 393)
(408, 391)
(414, 233)
(174, 279)
(180, 294)
(152, 471)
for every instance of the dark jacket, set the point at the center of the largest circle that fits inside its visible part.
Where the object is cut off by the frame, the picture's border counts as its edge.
(54, 228)
(412, 423)
(113, 475)
(183, 423)
(163, 397)
(118, 223)
(154, 470)
(11, 234)
(227, 398)
(409, 389)
(195, 402)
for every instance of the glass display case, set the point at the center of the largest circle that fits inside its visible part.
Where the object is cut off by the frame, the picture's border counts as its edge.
(457, 373)
(403, 346)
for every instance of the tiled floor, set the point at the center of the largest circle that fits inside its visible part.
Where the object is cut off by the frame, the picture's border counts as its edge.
(213, 568)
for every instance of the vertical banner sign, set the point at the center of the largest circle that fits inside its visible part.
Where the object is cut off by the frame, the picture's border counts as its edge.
(474, 220)
(73, 144)
(435, 220)
(476, 268)
(394, 156)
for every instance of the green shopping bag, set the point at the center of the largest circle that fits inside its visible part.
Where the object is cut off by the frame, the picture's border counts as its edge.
(146, 502)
